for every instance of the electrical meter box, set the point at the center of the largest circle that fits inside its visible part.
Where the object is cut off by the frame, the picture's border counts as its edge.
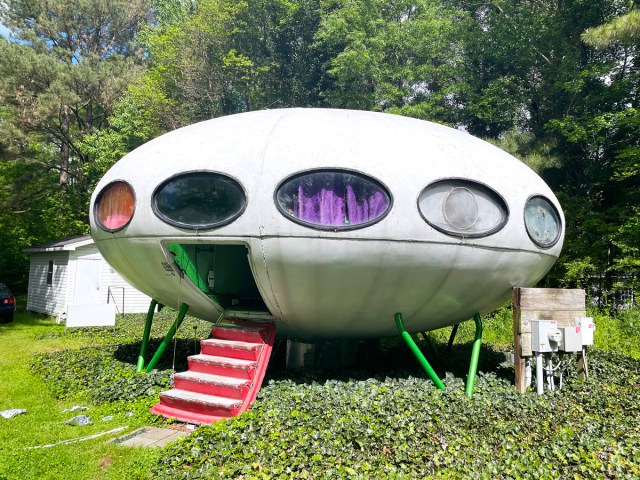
(587, 327)
(571, 339)
(545, 336)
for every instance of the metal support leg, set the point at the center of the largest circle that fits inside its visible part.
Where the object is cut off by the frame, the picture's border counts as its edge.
(416, 351)
(550, 379)
(452, 337)
(430, 344)
(145, 336)
(475, 355)
(167, 339)
(527, 372)
(539, 374)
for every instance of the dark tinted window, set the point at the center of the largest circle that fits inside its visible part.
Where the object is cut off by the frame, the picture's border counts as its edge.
(50, 273)
(199, 200)
(4, 290)
(463, 208)
(333, 199)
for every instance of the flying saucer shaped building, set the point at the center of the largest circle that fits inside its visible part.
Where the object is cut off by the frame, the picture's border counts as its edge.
(327, 222)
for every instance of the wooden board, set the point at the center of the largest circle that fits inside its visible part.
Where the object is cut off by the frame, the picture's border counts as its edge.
(529, 304)
(553, 299)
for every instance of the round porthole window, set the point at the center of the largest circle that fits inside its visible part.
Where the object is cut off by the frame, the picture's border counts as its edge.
(460, 208)
(542, 222)
(463, 208)
(114, 206)
(333, 199)
(199, 200)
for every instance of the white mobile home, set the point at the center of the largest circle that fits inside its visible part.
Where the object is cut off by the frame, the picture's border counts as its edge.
(72, 272)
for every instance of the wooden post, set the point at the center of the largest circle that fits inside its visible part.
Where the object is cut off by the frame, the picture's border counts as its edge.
(518, 360)
(530, 304)
(582, 364)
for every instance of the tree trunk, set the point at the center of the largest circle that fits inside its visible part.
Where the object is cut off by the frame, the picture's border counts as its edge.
(64, 148)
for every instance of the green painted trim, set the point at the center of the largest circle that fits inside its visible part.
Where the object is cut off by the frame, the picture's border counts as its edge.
(187, 265)
(167, 339)
(417, 353)
(145, 336)
(475, 355)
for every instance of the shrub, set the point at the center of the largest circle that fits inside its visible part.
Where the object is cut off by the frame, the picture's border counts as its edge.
(402, 427)
(383, 418)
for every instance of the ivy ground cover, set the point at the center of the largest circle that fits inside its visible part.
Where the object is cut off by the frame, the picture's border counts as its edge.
(381, 418)
(397, 425)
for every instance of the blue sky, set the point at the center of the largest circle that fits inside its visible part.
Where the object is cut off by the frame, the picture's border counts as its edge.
(4, 31)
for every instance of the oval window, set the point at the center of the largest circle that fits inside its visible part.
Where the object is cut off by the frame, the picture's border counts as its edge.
(333, 199)
(199, 200)
(463, 208)
(542, 221)
(114, 206)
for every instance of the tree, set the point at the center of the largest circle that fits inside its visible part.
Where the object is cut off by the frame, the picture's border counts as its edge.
(622, 29)
(398, 56)
(141, 114)
(280, 35)
(622, 35)
(217, 57)
(533, 85)
(67, 63)
(193, 62)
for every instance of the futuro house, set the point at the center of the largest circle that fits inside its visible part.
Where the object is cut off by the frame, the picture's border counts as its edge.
(326, 222)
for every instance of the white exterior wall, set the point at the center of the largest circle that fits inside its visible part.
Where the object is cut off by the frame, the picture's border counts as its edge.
(54, 300)
(134, 300)
(89, 252)
(43, 298)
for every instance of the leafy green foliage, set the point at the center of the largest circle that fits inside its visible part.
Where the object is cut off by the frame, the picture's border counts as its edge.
(106, 372)
(96, 374)
(402, 427)
(60, 76)
(398, 56)
(219, 57)
(619, 333)
(625, 28)
(382, 417)
(141, 114)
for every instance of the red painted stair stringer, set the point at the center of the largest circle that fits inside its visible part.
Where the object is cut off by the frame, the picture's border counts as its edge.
(224, 379)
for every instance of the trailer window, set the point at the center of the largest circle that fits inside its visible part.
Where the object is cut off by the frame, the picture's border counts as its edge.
(115, 206)
(542, 222)
(463, 208)
(199, 200)
(333, 199)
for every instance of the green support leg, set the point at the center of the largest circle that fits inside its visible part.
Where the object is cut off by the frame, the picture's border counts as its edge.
(452, 337)
(432, 346)
(418, 354)
(167, 339)
(145, 337)
(475, 355)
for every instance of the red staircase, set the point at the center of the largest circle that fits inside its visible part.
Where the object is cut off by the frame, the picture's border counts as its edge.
(223, 380)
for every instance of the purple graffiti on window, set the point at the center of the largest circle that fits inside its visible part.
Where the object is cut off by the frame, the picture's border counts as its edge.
(336, 199)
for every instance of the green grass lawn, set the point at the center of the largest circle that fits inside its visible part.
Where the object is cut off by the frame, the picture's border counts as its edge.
(43, 422)
(380, 419)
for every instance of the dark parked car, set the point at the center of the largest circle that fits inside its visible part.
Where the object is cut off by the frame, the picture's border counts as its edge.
(7, 304)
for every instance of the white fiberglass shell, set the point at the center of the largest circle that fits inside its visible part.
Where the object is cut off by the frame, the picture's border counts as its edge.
(333, 283)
